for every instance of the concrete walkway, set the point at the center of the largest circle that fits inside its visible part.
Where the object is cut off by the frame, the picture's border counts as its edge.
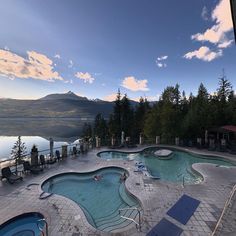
(66, 218)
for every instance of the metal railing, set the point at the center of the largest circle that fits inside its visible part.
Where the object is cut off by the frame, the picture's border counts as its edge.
(41, 229)
(227, 203)
(26, 157)
(138, 224)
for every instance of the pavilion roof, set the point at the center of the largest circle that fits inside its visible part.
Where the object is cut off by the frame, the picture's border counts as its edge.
(224, 129)
(229, 128)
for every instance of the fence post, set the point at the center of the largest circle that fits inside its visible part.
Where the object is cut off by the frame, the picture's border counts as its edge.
(177, 141)
(157, 139)
(141, 139)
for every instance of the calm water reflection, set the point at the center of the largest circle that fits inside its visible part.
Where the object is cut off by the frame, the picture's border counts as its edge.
(38, 132)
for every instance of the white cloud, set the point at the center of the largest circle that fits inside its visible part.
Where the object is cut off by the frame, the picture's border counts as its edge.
(57, 56)
(71, 64)
(221, 15)
(160, 63)
(203, 53)
(225, 44)
(36, 66)
(217, 34)
(162, 58)
(134, 84)
(86, 77)
(110, 97)
(204, 13)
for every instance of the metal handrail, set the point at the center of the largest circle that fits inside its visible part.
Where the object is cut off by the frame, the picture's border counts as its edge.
(227, 203)
(41, 229)
(138, 224)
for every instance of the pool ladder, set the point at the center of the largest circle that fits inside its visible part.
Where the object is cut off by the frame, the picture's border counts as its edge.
(41, 229)
(137, 224)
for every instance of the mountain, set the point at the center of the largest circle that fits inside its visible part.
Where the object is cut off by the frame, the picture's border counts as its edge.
(67, 105)
(68, 95)
(58, 105)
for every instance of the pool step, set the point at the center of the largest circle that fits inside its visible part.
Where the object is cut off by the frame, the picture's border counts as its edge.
(106, 218)
(115, 221)
(124, 196)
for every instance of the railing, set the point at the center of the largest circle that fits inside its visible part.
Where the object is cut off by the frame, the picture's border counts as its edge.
(138, 224)
(11, 161)
(41, 229)
(227, 203)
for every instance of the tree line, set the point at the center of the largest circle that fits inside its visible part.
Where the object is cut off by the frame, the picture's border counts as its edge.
(174, 115)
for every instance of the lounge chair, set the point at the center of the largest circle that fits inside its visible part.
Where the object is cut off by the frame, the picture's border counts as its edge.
(32, 169)
(42, 161)
(11, 178)
(51, 161)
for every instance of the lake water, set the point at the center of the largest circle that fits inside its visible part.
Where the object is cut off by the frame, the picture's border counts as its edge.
(7, 142)
(38, 132)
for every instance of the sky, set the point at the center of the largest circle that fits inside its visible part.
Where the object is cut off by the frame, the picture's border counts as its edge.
(93, 48)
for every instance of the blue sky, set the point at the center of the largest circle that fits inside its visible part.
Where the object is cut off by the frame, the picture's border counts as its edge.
(95, 47)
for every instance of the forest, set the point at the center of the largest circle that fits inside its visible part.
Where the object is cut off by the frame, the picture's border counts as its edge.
(174, 115)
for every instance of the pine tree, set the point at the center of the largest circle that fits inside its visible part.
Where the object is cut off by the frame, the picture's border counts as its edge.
(126, 116)
(18, 151)
(87, 130)
(100, 128)
(140, 115)
(223, 92)
(117, 116)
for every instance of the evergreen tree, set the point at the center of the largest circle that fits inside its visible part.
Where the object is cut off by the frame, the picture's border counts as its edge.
(117, 116)
(140, 115)
(224, 91)
(175, 115)
(126, 116)
(18, 151)
(196, 120)
(100, 128)
(87, 130)
(152, 125)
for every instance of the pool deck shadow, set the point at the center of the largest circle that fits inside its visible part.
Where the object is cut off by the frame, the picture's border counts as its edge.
(66, 218)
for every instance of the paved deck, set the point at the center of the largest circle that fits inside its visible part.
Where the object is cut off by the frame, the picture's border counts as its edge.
(66, 218)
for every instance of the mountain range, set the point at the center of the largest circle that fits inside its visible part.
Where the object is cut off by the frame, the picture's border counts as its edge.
(65, 105)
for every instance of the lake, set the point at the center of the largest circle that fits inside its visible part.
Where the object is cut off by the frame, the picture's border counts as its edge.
(38, 132)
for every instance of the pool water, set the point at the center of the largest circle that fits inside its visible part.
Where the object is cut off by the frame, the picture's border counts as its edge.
(174, 170)
(23, 225)
(100, 200)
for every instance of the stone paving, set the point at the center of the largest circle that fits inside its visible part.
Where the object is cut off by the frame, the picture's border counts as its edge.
(65, 217)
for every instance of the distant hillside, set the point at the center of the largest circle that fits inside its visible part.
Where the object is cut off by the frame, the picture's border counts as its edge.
(55, 105)
(69, 95)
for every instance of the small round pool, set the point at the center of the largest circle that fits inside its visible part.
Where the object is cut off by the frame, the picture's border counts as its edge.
(177, 167)
(100, 194)
(28, 224)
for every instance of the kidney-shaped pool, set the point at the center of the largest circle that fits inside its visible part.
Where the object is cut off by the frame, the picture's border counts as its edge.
(173, 169)
(100, 194)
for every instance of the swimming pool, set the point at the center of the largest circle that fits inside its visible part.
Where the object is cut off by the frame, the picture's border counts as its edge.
(99, 200)
(28, 224)
(173, 170)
